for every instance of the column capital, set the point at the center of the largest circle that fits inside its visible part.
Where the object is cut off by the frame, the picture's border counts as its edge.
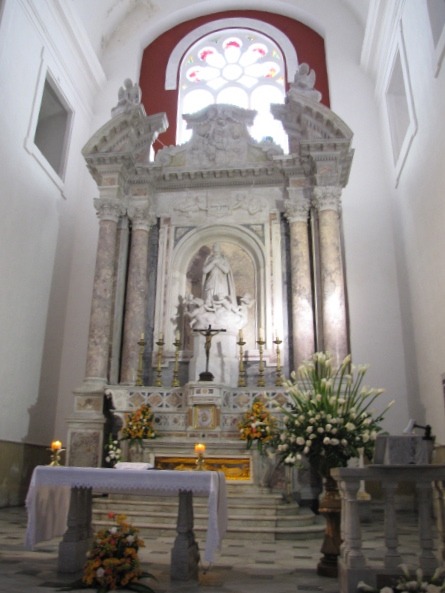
(109, 209)
(327, 197)
(142, 216)
(296, 208)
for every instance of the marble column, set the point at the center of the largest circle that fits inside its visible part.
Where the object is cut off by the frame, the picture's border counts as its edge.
(297, 213)
(108, 212)
(327, 199)
(136, 301)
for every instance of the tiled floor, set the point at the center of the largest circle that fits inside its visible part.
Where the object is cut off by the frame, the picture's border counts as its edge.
(241, 566)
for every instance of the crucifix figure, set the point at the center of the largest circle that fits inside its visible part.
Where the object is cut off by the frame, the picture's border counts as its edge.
(208, 334)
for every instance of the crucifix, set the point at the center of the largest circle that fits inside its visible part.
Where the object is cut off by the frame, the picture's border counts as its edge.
(208, 334)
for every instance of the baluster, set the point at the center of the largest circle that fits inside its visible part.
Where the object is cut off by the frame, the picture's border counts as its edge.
(427, 560)
(440, 514)
(352, 552)
(392, 556)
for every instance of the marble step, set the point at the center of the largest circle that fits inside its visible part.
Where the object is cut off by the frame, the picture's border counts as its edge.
(264, 514)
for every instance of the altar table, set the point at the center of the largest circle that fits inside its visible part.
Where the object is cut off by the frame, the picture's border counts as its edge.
(60, 497)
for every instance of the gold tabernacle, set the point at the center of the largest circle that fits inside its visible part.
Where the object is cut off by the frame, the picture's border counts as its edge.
(234, 468)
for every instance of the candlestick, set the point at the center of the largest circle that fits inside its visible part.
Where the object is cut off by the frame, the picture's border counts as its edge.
(261, 382)
(140, 373)
(176, 344)
(56, 451)
(200, 450)
(278, 374)
(160, 345)
(241, 369)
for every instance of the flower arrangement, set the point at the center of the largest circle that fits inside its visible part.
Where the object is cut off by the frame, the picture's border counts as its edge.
(113, 563)
(329, 418)
(113, 451)
(408, 583)
(139, 424)
(258, 426)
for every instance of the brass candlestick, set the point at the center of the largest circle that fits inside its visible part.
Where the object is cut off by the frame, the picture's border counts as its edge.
(261, 382)
(200, 450)
(242, 369)
(140, 374)
(56, 452)
(278, 373)
(175, 381)
(160, 344)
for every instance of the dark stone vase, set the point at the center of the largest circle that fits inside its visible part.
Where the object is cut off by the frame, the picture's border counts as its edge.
(330, 508)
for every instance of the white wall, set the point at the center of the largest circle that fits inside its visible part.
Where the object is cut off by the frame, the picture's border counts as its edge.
(419, 218)
(36, 215)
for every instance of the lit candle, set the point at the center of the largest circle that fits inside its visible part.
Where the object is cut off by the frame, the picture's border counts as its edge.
(56, 446)
(200, 448)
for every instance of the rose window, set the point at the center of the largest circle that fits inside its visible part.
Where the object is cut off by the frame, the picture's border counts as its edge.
(238, 67)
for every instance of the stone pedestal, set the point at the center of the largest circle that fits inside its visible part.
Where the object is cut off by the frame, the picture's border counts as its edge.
(78, 536)
(185, 552)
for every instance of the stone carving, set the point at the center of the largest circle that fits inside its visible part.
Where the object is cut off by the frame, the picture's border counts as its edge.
(303, 84)
(223, 313)
(129, 96)
(220, 139)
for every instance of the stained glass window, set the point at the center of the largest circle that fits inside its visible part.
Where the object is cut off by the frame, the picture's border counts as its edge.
(239, 67)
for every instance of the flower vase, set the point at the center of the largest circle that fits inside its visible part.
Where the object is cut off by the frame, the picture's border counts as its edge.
(330, 508)
(136, 452)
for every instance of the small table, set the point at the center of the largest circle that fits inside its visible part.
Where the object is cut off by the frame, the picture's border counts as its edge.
(59, 502)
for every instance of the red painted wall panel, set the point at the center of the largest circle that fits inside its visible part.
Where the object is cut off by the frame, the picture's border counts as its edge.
(308, 44)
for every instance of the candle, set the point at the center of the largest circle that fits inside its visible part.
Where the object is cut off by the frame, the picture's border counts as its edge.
(161, 336)
(177, 335)
(56, 446)
(261, 333)
(142, 336)
(200, 448)
(240, 335)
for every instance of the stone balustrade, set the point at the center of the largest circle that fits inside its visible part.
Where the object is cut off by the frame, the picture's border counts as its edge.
(427, 481)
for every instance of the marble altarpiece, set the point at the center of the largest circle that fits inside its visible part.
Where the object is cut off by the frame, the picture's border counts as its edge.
(274, 218)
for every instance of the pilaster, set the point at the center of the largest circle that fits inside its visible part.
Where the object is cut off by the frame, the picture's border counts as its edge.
(297, 209)
(327, 200)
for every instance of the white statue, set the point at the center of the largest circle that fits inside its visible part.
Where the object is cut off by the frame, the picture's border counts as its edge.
(218, 283)
(129, 96)
(303, 84)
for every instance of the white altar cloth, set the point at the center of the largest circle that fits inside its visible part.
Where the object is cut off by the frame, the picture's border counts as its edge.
(48, 496)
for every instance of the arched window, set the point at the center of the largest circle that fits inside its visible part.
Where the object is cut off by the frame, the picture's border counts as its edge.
(236, 66)
(164, 58)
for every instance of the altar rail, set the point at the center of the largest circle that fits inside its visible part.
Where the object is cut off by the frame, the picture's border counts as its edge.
(427, 481)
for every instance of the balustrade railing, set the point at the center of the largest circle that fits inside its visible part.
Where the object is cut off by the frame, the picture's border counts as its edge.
(427, 481)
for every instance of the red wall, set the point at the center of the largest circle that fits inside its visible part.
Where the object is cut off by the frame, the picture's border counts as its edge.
(308, 44)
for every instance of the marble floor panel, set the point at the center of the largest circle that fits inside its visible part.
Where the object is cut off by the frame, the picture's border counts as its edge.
(241, 566)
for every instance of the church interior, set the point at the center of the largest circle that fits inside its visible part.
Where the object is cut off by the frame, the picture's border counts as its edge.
(209, 192)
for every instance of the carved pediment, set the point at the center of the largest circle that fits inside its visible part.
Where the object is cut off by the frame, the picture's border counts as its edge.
(127, 137)
(220, 139)
(318, 134)
(305, 119)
